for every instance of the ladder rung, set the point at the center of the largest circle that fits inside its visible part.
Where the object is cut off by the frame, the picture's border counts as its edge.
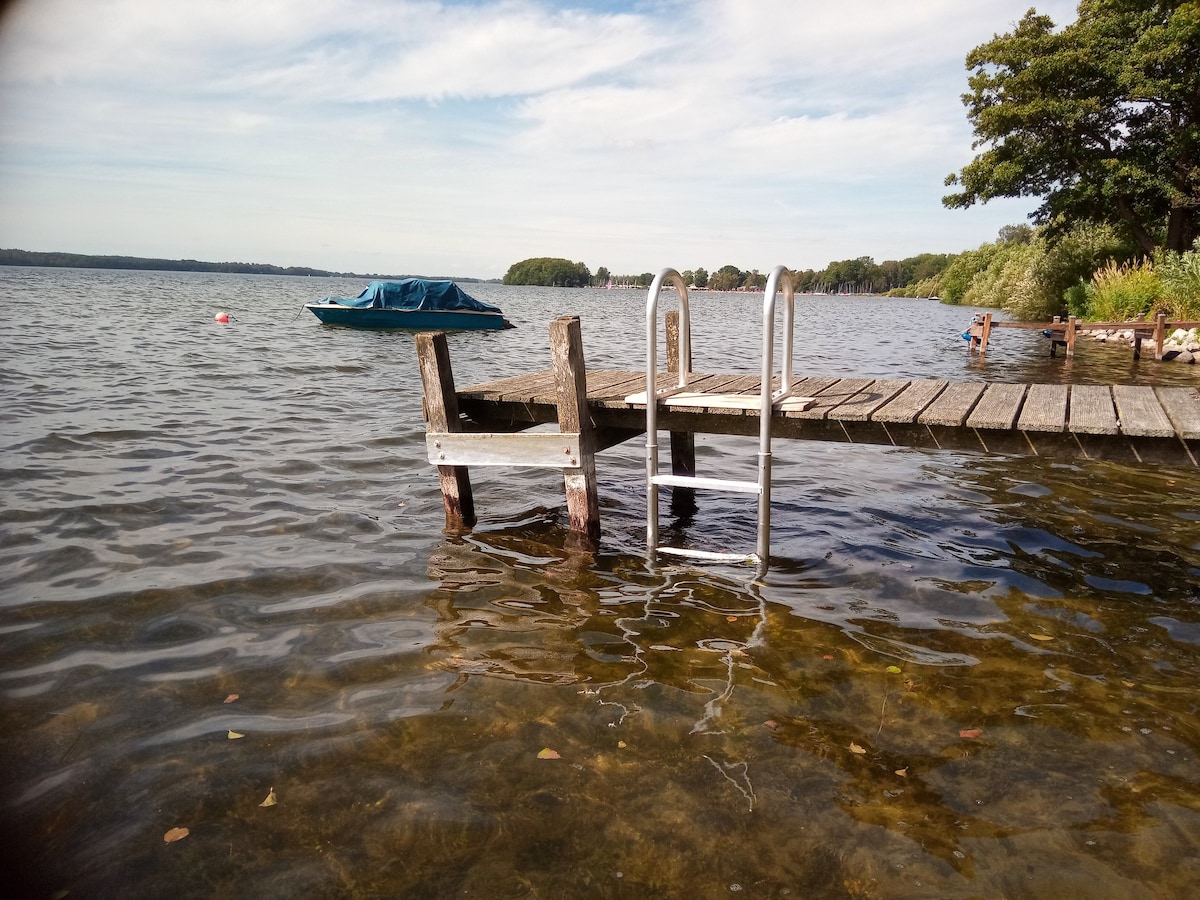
(716, 484)
(709, 554)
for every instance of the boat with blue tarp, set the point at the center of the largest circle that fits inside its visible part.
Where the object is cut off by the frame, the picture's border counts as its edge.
(414, 303)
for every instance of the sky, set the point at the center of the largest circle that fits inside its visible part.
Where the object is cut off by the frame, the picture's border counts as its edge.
(456, 137)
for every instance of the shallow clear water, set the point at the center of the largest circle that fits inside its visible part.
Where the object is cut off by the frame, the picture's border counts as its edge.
(963, 676)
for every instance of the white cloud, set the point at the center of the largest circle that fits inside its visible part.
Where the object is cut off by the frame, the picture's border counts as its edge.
(348, 131)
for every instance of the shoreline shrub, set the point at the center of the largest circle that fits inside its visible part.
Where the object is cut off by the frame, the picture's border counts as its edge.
(1121, 292)
(1179, 275)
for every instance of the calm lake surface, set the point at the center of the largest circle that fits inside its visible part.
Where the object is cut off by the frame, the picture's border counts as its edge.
(964, 675)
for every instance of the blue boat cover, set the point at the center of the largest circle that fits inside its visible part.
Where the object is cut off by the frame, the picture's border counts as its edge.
(415, 294)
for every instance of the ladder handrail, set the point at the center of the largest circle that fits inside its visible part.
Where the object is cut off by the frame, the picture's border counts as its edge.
(685, 354)
(778, 274)
(685, 332)
(779, 277)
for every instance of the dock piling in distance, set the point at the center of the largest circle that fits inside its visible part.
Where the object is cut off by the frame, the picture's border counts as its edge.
(1064, 334)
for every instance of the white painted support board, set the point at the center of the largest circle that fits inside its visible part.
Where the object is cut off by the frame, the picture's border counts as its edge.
(718, 484)
(709, 555)
(549, 449)
(723, 401)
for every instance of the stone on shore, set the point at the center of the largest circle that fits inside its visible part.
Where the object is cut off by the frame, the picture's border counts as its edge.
(1179, 346)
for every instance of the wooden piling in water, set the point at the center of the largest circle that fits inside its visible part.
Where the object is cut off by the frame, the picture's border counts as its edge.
(1158, 335)
(441, 414)
(570, 378)
(683, 443)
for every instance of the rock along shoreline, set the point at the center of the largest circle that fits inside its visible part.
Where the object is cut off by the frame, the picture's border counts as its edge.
(1179, 346)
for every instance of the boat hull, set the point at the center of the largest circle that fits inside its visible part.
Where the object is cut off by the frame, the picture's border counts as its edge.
(413, 320)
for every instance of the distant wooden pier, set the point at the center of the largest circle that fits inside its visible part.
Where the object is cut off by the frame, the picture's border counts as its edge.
(1064, 333)
(485, 424)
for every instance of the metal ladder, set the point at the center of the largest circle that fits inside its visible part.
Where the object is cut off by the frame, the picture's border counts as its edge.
(768, 400)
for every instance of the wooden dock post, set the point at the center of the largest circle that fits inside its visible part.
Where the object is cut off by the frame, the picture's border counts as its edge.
(1158, 335)
(1052, 334)
(683, 443)
(441, 412)
(570, 377)
(980, 331)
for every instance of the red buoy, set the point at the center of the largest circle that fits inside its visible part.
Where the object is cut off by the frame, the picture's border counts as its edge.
(222, 317)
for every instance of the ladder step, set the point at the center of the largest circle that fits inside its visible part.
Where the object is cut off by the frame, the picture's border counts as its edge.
(709, 554)
(716, 484)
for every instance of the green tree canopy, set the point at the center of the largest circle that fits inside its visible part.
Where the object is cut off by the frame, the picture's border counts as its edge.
(861, 274)
(1100, 119)
(726, 278)
(549, 271)
(804, 280)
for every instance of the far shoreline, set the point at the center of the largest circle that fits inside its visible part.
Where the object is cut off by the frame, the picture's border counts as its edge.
(57, 260)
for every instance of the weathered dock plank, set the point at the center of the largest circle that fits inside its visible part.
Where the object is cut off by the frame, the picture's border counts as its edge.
(1045, 408)
(1092, 410)
(615, 399)
(813, 386)
(1140, 412)
(493, 388)
(712, 384)
(831, 397)
(860, 406)
(518, 389)
(1182, 405)
(998, 407)
(539, 449)
(953, 405)
(750, 386)
(910, 402)
(609, 384)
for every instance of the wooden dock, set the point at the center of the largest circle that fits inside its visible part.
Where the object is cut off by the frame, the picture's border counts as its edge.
(1064, 334)
(481, 424)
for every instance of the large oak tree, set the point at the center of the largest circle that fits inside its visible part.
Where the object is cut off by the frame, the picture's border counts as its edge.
(1100, 119)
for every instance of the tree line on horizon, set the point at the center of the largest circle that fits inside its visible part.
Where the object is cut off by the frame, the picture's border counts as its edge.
(55, 259)
(1089, 270)
(861, 275)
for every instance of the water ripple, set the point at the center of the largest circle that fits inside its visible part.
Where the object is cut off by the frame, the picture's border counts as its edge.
(210, 529)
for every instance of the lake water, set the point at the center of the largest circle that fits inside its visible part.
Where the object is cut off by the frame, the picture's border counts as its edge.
(964, 675)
